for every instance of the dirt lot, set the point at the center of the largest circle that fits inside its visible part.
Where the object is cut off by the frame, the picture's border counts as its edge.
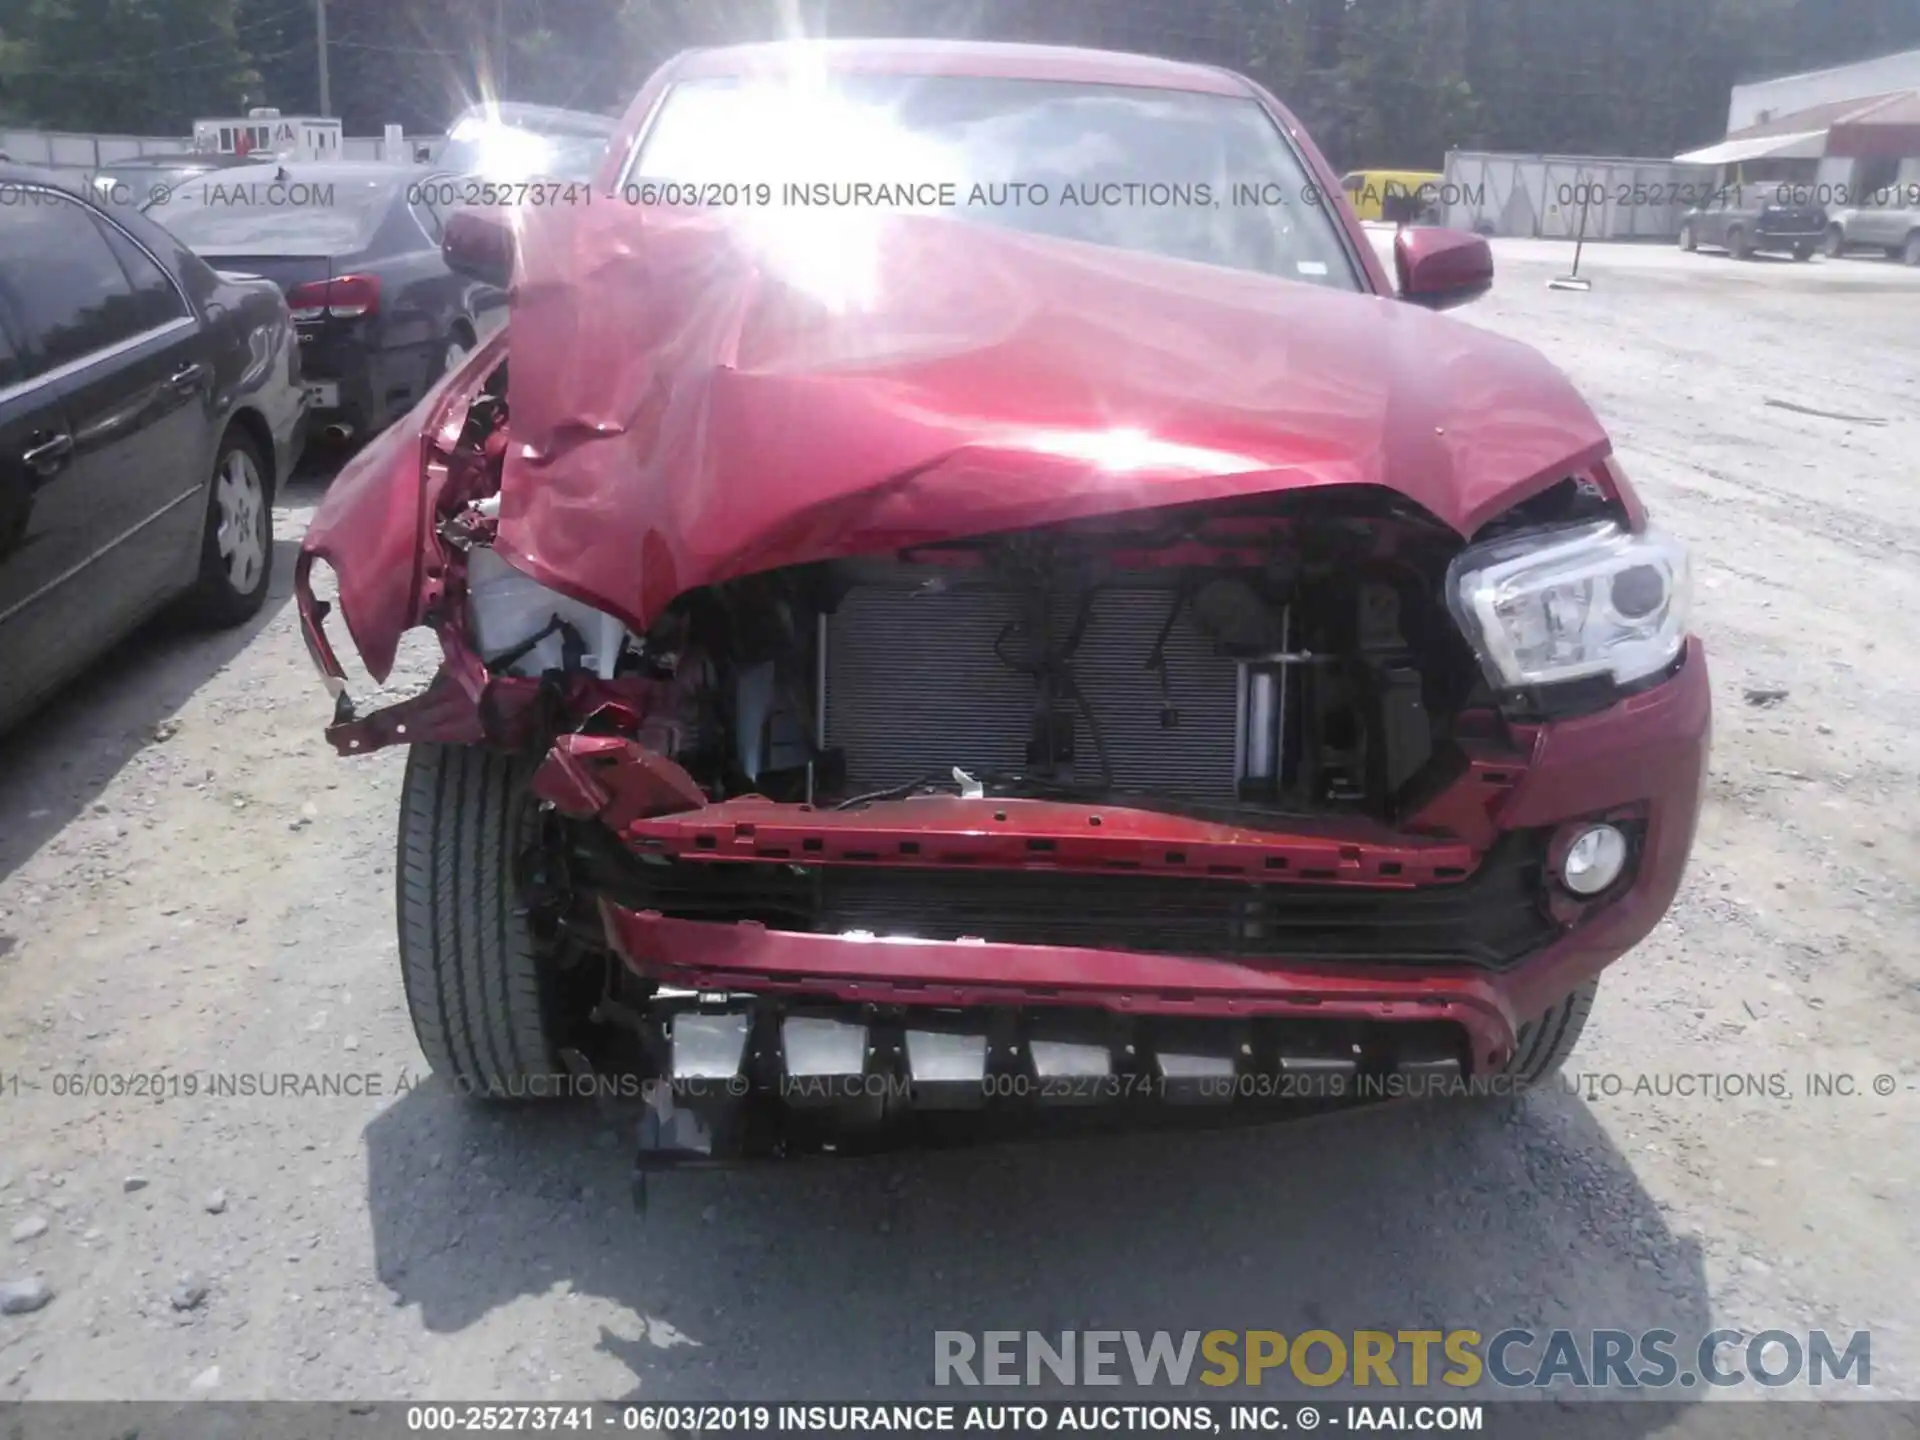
(191, 882)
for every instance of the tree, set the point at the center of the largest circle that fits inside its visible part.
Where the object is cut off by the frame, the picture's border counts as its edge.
(15, 57)
(1391, 83)
(132, 66)
(417, 63)
(280, 34)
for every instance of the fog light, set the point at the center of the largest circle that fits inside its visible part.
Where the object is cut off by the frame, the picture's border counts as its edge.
(1594, 860)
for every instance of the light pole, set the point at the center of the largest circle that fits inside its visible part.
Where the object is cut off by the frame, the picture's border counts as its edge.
(320, 43)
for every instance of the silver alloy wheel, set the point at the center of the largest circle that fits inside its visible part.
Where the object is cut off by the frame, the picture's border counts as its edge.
(240, 534)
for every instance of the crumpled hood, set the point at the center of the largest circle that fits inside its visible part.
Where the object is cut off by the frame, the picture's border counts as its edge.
(686, 406)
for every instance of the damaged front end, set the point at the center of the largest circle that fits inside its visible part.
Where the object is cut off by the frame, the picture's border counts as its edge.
(959, 766)
(1210, 803)
(412, 521)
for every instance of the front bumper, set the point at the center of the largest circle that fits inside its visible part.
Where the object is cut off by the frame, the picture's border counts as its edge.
(356, 406)
(1787, 239)
(1643, 759)
(373, 385)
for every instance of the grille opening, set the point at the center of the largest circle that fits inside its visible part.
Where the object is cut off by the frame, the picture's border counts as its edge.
(1267, 661)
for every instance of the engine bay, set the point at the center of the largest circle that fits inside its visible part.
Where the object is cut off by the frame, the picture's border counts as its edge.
(1290, 658)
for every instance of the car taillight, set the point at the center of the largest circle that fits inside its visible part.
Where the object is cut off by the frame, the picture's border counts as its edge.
(308, 302)
(346, 297)
(351, 296)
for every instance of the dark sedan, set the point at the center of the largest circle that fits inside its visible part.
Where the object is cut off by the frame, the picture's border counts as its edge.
(148, 408)
(356, 248)
(141, 181)
(1748, 220)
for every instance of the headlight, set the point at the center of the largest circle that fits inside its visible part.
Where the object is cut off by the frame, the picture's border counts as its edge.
(519, 625)
(1545, 606)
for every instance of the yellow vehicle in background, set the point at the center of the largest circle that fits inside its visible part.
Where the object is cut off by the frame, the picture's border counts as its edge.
(1401, 196)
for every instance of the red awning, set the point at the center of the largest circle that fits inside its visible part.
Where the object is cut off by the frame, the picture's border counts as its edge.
(1887, 131)
(1871, 127)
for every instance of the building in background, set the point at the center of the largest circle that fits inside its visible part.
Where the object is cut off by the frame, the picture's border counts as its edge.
(1854, 128)
(267, 133)
(83, 158)
(1761, 101)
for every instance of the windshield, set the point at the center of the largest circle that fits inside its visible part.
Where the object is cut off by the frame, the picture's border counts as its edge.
(504, 152)
(228, 214)
(1190, 176)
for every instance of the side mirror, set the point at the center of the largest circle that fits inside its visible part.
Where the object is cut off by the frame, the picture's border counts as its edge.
(1441, 268)
(480, 245)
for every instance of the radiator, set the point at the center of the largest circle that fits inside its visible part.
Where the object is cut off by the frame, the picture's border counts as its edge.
(913, 687)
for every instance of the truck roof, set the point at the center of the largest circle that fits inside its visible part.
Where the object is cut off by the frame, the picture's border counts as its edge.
(961, 57)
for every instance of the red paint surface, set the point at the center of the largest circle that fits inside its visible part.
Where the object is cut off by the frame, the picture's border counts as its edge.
(945, 830)
(682, 416)
(1442, 268)
(700, 955)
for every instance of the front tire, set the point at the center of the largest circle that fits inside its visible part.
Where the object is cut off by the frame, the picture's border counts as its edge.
(1911, 251)
(1834, 245)
(1545, 1043)
(1737, 245)
(236, 543)
(1687, 241)
(1803, 252)
(491, 1006)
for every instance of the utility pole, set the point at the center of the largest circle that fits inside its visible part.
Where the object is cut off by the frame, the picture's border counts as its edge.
(499, 48)
(320, 38)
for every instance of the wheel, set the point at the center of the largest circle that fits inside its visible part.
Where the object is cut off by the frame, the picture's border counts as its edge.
(1834, 244)
(236, 544)
(1687, 240)
(1544, 1044)
(493, 1003)
(1911, 251)
(1737, 245)
(1803, 252)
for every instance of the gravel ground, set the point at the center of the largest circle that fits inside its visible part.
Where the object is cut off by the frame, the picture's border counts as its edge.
(190, 882)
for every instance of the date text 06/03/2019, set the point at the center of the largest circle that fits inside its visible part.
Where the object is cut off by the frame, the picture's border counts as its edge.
(915, 1419)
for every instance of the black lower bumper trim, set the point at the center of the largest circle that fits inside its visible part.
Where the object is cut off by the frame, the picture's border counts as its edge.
(744, 1077)
(1491, 920)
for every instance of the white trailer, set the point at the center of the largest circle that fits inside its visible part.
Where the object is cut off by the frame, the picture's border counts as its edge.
(1545, 196)
(270, 135)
